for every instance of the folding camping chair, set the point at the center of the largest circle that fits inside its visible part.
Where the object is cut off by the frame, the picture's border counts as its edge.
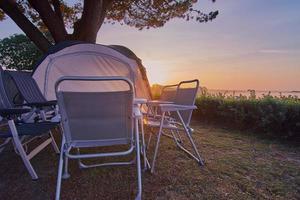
(30, 92)
(176, 117)
(102, 117)
(20, 132)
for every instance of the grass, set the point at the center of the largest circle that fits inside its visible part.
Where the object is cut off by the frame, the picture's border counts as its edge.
(238, 166)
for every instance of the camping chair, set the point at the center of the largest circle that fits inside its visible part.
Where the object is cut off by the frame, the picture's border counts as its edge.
(179, 116)
(97, 118)
(21, 133)
(30, 92)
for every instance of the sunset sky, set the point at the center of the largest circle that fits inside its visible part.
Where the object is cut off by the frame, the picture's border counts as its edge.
(253, 44)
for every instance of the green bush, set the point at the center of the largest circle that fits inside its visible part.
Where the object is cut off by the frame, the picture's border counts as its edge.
(277, 116)
(18, 52)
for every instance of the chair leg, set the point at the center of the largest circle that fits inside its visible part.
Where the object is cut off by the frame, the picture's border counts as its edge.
(138, 161)
(179, 136)
(54, 145)
(149, 140)
(80, 164)
(176, 140)
(201, 162)
(3, 145)
(191, 140)
(21, 150)
(60, 169)
(143, 144)
(66, 174)
(157, 143)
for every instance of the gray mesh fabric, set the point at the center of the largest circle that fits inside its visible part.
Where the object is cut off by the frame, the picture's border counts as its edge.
(27, 86)
(186, 96)
(168, 93)
(5, 101)
(100, 118)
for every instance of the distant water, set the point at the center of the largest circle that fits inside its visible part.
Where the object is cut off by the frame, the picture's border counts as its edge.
(257, 93)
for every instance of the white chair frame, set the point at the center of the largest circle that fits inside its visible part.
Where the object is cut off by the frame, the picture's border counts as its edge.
(65, 149)
(169, 123)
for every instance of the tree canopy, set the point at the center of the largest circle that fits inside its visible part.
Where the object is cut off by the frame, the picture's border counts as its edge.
(81, 19)
(18, 52)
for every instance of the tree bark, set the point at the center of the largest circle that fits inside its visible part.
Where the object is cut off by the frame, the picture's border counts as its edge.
(11, 9)
(56, 5)
(93, 15)
(54, 23)
(85, 29)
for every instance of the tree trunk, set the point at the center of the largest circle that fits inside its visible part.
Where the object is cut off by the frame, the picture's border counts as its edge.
(85, 29)
(11, 9)
(54, 23)
(93, 15)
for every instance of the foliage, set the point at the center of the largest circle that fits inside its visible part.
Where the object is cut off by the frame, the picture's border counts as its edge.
(2, 15)
(139, 14)
(85, 18)
(18, 52)
(147, 14)
(278, 116)
(156, 90)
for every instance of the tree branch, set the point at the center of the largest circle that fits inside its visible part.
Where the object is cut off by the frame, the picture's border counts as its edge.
(54, 24)
(10, 7)
(56, 5)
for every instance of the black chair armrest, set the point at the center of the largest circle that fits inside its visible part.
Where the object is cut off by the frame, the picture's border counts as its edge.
(13, 111)
(40, 104)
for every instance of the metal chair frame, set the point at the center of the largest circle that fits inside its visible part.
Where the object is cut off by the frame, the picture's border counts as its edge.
(18, 139)
(65, 147)
(169, 122)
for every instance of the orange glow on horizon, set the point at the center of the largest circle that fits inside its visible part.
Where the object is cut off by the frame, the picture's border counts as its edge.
(258, 50)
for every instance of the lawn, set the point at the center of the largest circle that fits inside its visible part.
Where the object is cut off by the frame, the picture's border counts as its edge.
(238, 166)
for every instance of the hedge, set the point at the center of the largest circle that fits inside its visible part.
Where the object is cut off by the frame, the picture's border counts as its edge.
(276, 116)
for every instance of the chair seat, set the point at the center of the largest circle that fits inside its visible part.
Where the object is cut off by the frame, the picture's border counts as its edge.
(30, 129)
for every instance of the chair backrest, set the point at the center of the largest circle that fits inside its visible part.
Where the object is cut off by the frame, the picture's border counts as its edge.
(27, 86)
(186, 95)
(8, 91)
(168, 93)
(96, 118)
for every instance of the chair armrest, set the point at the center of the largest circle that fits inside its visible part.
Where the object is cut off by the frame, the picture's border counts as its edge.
(139, 101)
(13, 111)
(158, 102)
(175, 107)
(40, 104)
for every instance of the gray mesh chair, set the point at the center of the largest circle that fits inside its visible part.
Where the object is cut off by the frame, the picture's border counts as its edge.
(176, 117)
(13, 128)
(97, 118)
